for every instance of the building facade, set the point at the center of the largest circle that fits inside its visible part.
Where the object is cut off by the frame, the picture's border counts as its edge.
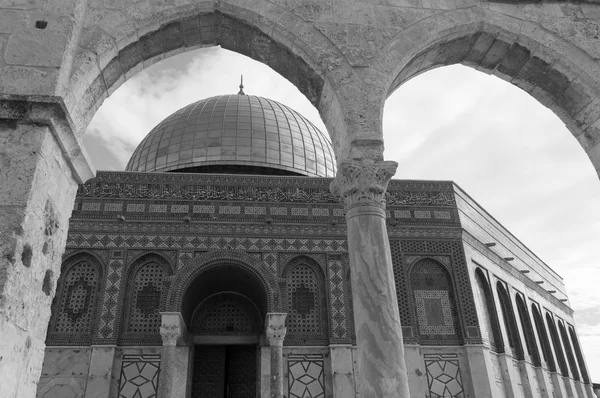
(217, 265)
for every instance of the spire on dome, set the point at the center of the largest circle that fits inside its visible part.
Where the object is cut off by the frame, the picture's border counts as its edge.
(242, 85)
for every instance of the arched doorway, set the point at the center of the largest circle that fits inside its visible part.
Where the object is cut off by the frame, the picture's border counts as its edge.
(225, 308)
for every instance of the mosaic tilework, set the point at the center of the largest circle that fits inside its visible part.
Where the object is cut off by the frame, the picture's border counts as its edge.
(443, 376)
(144, 304)
(255, 210)
(201, 243)
(229, 209)
(402, 213)
(113, 207)
(272, 260)
(134, 207)
(320, 212)
(139, 376)
(337, 296)
(442, 215)
(157, 208)
(338, 212)
(304, 314)
(88, 206)
(205, 209)
(180, 208)
(299, 211)
(279, 211)
(422, 214)
(427, 301)
(306, 377)
(108, 313)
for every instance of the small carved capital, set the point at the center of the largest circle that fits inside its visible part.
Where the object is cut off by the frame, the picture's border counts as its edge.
(363, 182)
(172, 329)
(275, 329)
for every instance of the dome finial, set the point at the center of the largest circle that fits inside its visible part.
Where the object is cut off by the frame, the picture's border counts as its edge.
(242, 85)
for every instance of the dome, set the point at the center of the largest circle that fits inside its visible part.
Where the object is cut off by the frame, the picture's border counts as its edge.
(236, 134)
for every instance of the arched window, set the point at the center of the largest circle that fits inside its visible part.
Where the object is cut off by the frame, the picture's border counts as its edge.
(530, 343)
(560, 356)
(569, 350)
(434, 301)
(307, 308)
(75, 305)
(489, 322)
(144, 291)
(544, 341)
(510, 322)
(582, 368)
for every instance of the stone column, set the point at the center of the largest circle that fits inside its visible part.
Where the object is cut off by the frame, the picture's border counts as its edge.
(41, 164)
(174, 361)
(275, 331)
(361, 186)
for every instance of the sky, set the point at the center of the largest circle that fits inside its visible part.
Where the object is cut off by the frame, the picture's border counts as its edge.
(506, 150)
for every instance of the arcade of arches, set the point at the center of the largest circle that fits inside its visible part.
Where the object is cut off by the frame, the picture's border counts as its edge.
(61, 59)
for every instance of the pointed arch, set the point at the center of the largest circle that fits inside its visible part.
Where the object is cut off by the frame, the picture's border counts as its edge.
(435, 302)
(527, 328)
(75, 306)
(305, 302)
(560, 356)
(579, 354)
(510, 322)
(144, 299)
(490, 328)
(543, 336)
(568, 350)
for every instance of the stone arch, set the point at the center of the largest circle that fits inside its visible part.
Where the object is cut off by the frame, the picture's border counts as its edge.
(305, 287)
(510, 322)
(490, 315)
(226, 313)
(560, 356)
(527, 328)
(568, 350)
(543, 336)
(84, 303)
(432, 280)
(115, 44)
(555, 72)
(146, 326)
(579, 354)
(214, 259)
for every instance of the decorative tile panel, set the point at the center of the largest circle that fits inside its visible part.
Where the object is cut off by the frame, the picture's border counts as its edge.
(338, 212)
(108, 313)
(204, 209)
(443, 376)
(442, 215)
(158, 208)
(402, 213)
(255, 210)
(279, 211)
(113, 207)
(180, 208)
(136, 207)
(320, 212)
(88, 206)
(139, 376)
(428, 301)
(306, 377)
(422, 214)
(337, 296)
(229, 209)
(299, 211)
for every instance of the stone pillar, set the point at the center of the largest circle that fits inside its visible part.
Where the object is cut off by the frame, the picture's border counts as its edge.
(100, 371)
(40, 165)
(361, 185)
(174, 360)
(342, 370)
(275, 331)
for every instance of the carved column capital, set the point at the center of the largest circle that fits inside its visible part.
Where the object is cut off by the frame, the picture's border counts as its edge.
(363, 182)
(172, 329)
(275, 329)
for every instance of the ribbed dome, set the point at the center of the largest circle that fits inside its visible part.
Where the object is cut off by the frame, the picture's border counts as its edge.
(229, 131)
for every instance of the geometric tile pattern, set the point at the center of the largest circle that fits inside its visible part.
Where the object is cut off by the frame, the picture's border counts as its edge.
(108, 314)
(304, 312)
(443, 376)
(150, 241)
(337, 299)
(305, 376)
(272, 261)
(139, 376)
(431, 300)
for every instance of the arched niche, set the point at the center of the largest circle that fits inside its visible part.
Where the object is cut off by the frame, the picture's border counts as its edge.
(560, 356)
(569, 350)
(490, 329)
(221, 271)
(527, 328)
(144, 298)
(510, 322)
(305, 302)
(543, 336)
(75, 306)
(555, 72)
(579, 354)
(435, 304)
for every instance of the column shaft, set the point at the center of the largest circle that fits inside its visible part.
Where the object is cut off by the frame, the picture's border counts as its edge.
(275, 333)
(380, 350)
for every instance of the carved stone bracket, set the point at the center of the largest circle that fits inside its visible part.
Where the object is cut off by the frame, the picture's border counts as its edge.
(172, 329)
(363, 182)
(275, 329)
